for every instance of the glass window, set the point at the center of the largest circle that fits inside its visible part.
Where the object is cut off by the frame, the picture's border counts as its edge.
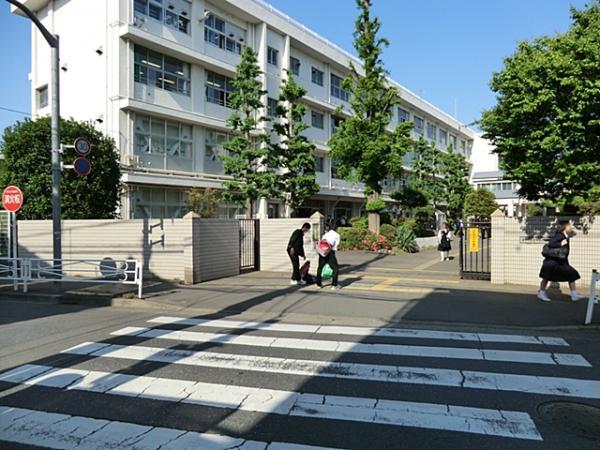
(317, 119)
(334, 166)
(158, 203)
(320, 164)
(337, 90)
(223, 34)
(271, 107)
(175, 14)
(42, 96)
(213, 150)
(419, 125)
(443, 138)
(431, 132)
(153, 69)
(317, 76)
(335, 123)
(453, 142)
(218, 89)
(295, 65)
(463, 147)
(403, 115)
(162, 138)
(273, 56)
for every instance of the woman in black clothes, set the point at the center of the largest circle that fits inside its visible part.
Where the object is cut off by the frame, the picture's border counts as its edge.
(559, 270)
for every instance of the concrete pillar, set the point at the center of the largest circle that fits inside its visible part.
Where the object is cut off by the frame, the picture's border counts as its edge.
(189, 252)
(497, 257)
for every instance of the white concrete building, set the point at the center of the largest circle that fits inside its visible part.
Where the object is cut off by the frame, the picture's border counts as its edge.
(486, 174)
(154, 74)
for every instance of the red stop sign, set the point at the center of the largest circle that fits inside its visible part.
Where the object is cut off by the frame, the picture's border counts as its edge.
(12, 199)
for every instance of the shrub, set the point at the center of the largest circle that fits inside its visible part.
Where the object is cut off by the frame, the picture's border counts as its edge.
(405, 240)
(352, 238)
(360, 222)
(375, 243)
(389, 231)
(375, 206)
(534, 210)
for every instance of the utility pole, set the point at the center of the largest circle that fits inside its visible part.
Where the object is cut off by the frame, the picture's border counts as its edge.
(53, 41)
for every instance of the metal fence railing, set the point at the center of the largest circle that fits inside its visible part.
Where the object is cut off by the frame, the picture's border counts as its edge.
(28, 270)
(594, 297)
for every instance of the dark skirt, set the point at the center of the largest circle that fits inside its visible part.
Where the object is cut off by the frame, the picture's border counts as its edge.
(558, 270)
(444, 247)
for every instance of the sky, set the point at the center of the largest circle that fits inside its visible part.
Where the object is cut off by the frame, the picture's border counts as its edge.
(443, 50)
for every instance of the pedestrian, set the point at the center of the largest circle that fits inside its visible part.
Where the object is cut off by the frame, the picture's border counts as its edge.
(333, 239)
(444, 238)
(557, 268)
(295, 250)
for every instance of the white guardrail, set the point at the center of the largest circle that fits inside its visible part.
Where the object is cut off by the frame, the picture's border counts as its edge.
(594, 297)
(109, 271)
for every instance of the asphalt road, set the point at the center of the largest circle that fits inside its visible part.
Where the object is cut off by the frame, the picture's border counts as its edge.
(76, 377)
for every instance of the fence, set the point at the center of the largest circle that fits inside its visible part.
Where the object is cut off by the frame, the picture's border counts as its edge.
(517, 246)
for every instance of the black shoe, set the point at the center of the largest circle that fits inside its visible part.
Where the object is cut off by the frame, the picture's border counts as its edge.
(320, 286)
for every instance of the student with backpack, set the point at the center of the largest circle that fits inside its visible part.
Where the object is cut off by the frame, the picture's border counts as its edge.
(327, 249)
(444, 238)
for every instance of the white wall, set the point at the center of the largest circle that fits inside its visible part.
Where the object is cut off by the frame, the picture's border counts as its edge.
(482, 158)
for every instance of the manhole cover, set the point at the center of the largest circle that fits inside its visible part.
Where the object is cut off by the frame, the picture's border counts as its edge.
(576, 418)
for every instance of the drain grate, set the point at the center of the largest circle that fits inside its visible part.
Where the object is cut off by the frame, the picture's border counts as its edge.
(576, 418)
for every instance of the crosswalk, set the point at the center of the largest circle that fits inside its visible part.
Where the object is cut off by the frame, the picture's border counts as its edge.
(198, 383)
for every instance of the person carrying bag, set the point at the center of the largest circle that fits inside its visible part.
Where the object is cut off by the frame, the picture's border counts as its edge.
(327, 248)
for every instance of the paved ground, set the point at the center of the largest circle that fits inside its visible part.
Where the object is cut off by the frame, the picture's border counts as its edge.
(405, 356)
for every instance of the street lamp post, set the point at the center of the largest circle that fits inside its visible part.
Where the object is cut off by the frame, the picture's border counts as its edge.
(53, 41)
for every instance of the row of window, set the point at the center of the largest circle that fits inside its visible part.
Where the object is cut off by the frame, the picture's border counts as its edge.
(498, 187)
(173, 13)
(438, 136)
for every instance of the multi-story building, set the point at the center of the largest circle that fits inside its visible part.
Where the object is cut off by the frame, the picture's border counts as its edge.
(486, 174)
(155, 75)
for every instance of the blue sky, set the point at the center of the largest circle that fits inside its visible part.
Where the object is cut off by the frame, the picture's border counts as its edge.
(443, 50)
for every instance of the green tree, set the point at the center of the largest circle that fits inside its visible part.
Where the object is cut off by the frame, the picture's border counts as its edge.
(204, 202)
(480, 204)
(455, 181)
(545, 125)
(246, 159)
(362, 145)
(292, 152)
(426, 170)
(411, 197)
(27, 160)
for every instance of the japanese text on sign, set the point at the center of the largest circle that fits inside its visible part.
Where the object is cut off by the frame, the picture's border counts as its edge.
(473, 240)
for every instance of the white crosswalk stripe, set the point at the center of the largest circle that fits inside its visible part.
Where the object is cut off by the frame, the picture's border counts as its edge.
(132, 348)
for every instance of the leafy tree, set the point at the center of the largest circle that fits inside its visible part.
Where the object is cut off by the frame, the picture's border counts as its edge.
(425, 168)
(204, 202)
(246, 160)
(362, 145)
(410, 197)
(535, 210)
(26, 148)
(455, 181)
(292, 152)
(545, 125)
(480, 204)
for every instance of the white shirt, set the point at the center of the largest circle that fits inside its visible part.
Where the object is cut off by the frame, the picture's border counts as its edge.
(449, 236)
(333, 238)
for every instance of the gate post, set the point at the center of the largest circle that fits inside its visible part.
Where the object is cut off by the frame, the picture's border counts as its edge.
(497, 260)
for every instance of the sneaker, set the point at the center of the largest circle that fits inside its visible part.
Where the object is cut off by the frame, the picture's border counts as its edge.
(335, 288)
(302, 283)
(294, 283)
(576, 297)
(543, 296)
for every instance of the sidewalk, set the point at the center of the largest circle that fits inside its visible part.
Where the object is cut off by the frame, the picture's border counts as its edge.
(378, 290)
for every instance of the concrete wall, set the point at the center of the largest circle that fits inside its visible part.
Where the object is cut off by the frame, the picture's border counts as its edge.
(190, 250)
(517, 246)
(274, 236)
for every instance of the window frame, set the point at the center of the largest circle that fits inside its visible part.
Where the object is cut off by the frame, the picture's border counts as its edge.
(272, 104)
(213, 85)
(317, 114)
(336, 88)
(217, 35)
(420, 130)
(185, 144)
(42, 97)
(272, 56)
(157, 70)
(403, 115)
(178, 21)
(295, 65)
(319, 164)
(317, 75)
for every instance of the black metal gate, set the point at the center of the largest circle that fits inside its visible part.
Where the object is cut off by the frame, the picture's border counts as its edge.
(249, 245)
(475, 250)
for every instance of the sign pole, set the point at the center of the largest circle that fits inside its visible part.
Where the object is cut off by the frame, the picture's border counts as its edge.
(15, 247)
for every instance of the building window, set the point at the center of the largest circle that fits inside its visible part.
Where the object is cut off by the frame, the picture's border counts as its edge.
(158, 203)
(223, 34)
(218, 89)
(419, 125)
(42, 96)
(443, 138)
(271, 107)
(272, 56)
(175, 15)
(153, 69)
(213, 150)
(317, 120)
(295, 65)
(335, 123)
(320, 164)
(453, 142)
(337, 90)
(431, 132)
(317, 76)
(334, 171)
(403, 115)
(463, 147)
(163, 144)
